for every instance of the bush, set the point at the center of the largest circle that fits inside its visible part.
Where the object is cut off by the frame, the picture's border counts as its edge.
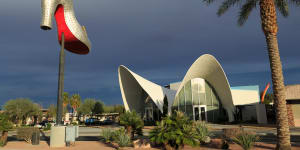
(133, 123)
(122, 138)
(74, 123)
(108, 134)
(174, 132)
(25, 133)
(229, 134)
(202, 132)
(2, 143)
(5, 126)
(246, 140)
(48, 127)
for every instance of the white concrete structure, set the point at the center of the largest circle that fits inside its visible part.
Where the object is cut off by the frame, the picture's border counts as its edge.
(206, 73)
(205, 67)
(57, 136)
(132, 87)
(209, 69)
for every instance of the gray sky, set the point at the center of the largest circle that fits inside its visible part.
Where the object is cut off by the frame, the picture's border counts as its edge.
(158, 39)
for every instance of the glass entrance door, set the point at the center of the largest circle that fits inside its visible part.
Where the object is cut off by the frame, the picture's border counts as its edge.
(199, 112)
(149, 113)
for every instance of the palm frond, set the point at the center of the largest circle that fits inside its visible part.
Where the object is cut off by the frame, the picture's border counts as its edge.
(246, 10)
(208, 1)
(296, 2)
(226, 5)
(282, 6)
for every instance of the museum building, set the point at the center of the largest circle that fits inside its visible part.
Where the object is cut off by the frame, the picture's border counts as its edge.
(203, 94)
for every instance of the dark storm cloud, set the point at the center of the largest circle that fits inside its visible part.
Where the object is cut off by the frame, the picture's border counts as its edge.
(157, 39)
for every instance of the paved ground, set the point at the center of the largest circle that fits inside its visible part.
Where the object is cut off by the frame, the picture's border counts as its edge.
(89, 139)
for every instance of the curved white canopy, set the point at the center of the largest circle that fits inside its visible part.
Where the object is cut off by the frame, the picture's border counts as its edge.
(132, 87)
(209, 69)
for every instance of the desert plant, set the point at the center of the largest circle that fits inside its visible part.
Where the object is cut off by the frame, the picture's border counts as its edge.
(2, 143)
(202, 132)
(108, 134)
(48, 127)
(122, 138)
(174, 132)
(246, 140)
(133, 123)
(230, 133)
(25, 133)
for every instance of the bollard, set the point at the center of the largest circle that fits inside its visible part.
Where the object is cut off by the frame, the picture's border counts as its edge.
(35, 138)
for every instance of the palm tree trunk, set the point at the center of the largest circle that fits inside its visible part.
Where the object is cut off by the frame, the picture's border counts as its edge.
(270, 29)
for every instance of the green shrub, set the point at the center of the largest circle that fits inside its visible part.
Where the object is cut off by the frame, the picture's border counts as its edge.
(133, 123)
(25, 133)
(2, 143)
(202, 132)
(5, 126)
(74, 123)
(122, 138)
(174, 132)
(48, 127)
(108, 134)
(230, 133)
(246, 140)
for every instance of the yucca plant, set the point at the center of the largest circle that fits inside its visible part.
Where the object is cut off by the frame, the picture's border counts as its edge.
(174, 132)
(107, 134)
(246, 140)
(202, 132)
(121, 138)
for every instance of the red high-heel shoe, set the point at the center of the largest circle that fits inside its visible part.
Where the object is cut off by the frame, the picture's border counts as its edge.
(76, 39)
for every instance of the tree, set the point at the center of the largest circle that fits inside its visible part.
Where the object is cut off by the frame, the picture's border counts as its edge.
(75, 101)
(5, 126)
(87, 106)
(52, 111)
(98, 108)
(20, 109)
(165, 107)
(270, 28)
(66, 99)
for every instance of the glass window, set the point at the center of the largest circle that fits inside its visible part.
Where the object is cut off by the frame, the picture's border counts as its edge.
(208, 95)
(188, 93)
(181, 100)
(189, 111)
(195, 93)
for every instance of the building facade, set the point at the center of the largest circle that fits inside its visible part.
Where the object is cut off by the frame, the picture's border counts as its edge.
(293, 102)
(203, 94)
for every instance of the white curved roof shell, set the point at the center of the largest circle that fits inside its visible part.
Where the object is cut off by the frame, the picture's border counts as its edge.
(205, 67)
(209, 69)
(132, 87)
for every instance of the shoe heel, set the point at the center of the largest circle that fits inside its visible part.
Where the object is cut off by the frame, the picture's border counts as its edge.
(48, 8)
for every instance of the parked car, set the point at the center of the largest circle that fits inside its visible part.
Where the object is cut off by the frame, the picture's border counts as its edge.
(107, 122)
(90, 121)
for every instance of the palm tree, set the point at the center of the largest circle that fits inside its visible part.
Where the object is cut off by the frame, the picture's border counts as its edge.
(270, 28)
(75, 102)
(66, 99)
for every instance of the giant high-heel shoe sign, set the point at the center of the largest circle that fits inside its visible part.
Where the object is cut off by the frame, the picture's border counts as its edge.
(76, 39)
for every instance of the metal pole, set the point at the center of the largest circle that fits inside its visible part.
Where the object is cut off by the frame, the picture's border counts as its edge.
(60, 82)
